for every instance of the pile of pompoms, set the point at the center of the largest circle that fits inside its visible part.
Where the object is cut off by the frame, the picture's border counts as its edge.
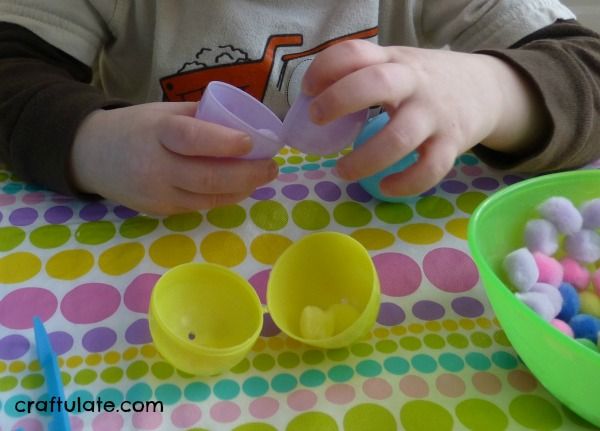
(557, 273)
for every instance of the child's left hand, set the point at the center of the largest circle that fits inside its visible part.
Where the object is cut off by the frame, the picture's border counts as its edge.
(440, 103)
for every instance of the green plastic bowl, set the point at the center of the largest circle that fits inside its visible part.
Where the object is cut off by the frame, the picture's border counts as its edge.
(568, 369)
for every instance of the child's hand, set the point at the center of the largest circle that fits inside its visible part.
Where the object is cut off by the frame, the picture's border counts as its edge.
(440, 103)
(157, 158)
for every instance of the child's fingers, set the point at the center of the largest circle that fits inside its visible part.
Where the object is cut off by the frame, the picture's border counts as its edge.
(340, 60)
(184, 200)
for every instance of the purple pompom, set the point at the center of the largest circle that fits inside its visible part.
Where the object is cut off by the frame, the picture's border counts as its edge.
(590, 212)
(583, 246)
(542, 236)
(562, 213)
(521, 268)
(552, 293)
(539, 303)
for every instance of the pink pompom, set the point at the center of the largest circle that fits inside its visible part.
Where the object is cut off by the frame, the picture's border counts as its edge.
(596, 281)
(550, 269)
(575, 274)
(552, 293)
(521, 269)
(562, 213)
(590, 212)
(542, 236)
(562, 327)
(583, 246)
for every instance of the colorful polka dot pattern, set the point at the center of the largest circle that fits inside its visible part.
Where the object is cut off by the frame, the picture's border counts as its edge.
(436, 358)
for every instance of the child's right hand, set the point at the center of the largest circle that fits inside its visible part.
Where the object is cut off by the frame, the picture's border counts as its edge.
(157, 158)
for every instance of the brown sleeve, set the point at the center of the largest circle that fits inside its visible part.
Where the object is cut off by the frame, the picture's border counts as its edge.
(563, 62)
(44, 95)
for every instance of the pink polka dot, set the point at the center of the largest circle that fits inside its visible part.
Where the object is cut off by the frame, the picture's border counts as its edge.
(186, 415)
(19, 306)
(287, 178)
(225, 411)
(28, 424)
(314, 175)
(33, 198)
(90, 303)
(108, 422)
(472, 171)
(7, 199)
(137, 294)
(340, 393)
(259, 282)
(147, 420)
(302, 399)
(450, 270)
(399, 274)
(414, 386)
(62, 199)
(76, 423)
(377, 389)
(264, 407)
(451, 174)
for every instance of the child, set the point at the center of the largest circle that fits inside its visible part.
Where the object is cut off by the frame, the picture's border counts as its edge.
(81, 85)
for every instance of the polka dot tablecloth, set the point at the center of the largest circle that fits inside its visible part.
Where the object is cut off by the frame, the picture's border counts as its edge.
(435, 360)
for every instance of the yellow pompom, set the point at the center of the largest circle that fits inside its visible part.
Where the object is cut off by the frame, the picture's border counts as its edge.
(590, 303)
(316, 324)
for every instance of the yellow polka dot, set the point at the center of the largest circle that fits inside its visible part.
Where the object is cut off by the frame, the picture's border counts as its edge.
(266, 248)
(398, 330)
(2, 366)
(172, 250)
(130, 353)
(284, 151)
(276, 343)
(17, 366)
(381, 332)
(112, 357)
(450, 325)
(420, 233)
(74, 361)
(292, 344)
(466, 323)
(373, 239)
(61, 361)
(70, 264)
(433, 325)
(415, 328)
(484, 322)
(294, 151)
(121, 258)
(93, 359)
(18, 267)
(224, 248)
(148, 351)
(260, 345)
(33, 366)
(496, 322)
(458, 227)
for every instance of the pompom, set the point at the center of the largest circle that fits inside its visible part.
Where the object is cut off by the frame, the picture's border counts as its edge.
(571, 303)
(316, 324)
(521, 269)
(552, 293)
(561, 212)
(562, 327)
(590, 211)
(583, 246)
(590, 303)
(542, 236)
(539, 303)
(585, 326)
(596, 281)
(575, 274)
(550, 270)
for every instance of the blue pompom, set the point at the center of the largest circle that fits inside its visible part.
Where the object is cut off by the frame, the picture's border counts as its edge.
(585, 326)
(571, 304)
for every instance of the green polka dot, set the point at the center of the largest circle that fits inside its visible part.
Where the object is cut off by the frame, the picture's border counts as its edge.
(183, 222)
(288, 360)
(137, 370)
(310, 215)
(351, 214)
(434, 207)
(279, 160)
(111, 394)
(169, 394)
(162, 370)
(269, 215)
(313, 357)
(95, 232)
(4, 176)
(368, 368)
(467, 202)
(226, 389)
(32, 381)
(369, 417)
(295, 160)
(283, 383)
(49, 236)
(451, 362)
(393, 213)
(312, 378)
(422, 415)
(139, 392)
(315, 421)
(196, 392)
(457, 340)
(386, 346)
(481, 339)
(255, 386)
(227, 217)
(478, 361)
(312, 158)
(505, 360)
(424, 363)
(137, 226)
(434, 341)
(481, 415)
(11, 237)
(263, 362)
(340, 373)
(338, 355)
(111, 374)
(396, 365)
(410, 343)
(577, 420)
(361, 349)
(242, 367)
(500, 338)
(535, 412)
(254, 426)
(66, 378)
(85, 377)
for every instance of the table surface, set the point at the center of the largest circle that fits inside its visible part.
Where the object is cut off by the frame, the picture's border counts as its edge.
(435, 360)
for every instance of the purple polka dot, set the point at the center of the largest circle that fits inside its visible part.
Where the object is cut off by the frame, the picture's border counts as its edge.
(295, 192)
(472, 171)
(13, 346)
(18, 307)
(137, 294)
(58, 214)
(453, 186)
(511, 179)
(1, 217)
(124, 212)
(33, 198)
(23, 216)
(451, 174)
(259, 282)
(287, 178)
(138, 332)
(357, 193)
(450, 270)
(429, 192)
(269, 328)
(328, 191)
(428, 310)
(390, 314)
(467, 306)
(99, 339)
(314, 175)
(7, 199)
(93, 211)
(90, 303)
(263, 193)
(486, 183)
(399, 274)
(61, 342)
